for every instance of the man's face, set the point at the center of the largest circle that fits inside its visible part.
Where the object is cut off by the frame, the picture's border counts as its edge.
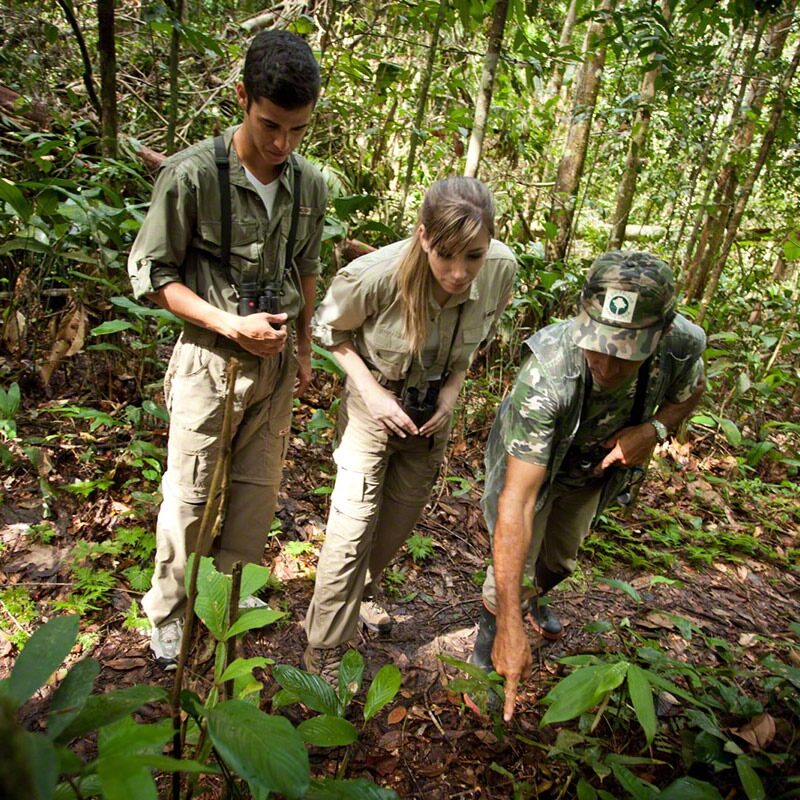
(454, 272)
(610, 372)
(273, 132)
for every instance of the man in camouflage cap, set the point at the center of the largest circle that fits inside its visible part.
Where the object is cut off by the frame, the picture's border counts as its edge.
(594, 395)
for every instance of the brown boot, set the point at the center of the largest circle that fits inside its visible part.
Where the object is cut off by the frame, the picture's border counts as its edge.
(324, 661)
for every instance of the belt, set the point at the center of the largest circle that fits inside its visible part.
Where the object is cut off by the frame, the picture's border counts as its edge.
(396, 387)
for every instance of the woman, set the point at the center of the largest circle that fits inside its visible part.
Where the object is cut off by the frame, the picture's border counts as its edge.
(404, 323)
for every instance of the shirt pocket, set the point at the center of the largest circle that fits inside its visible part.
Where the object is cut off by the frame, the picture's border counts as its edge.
(389, 352)
(247, 244)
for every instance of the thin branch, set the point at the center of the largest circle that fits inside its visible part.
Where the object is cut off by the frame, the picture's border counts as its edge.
(88, 79)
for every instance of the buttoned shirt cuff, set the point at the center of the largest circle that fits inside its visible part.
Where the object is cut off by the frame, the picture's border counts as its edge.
(330, 337)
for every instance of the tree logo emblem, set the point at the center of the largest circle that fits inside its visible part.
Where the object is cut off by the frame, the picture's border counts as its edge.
(619, 305)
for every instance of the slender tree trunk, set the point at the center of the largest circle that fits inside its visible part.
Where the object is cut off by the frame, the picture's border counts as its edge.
(495, 44)
(706, 151)
(422, 102)
(174, 64)
(557, 78)
(570, 168)
(747, 188)
(716, 220)
(108, 76)
(636, 145)
(88, 78)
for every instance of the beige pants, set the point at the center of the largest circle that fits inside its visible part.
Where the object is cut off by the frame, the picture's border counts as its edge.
(382, 485)
(195, 389)
(558, 530)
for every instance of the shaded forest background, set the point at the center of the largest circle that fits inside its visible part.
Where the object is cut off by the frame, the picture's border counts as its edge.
(669, 126)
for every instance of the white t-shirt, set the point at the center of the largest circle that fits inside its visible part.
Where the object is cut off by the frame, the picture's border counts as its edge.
(267, 191)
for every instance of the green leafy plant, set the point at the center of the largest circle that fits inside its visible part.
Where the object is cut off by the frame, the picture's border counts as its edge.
(420, 546)
(484, 688)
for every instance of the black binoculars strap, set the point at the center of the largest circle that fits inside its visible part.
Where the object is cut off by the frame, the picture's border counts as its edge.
(224, 176)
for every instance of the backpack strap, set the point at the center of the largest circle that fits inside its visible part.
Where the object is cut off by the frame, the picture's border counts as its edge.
(224, 176)
(290, 242)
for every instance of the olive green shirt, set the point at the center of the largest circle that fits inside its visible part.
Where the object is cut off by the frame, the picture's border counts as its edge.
(181, 235)
(363, 306)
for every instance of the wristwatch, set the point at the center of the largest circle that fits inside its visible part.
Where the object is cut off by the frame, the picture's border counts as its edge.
(662, 434)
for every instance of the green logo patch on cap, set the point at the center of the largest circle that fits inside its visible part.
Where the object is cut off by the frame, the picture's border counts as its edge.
(619, 305)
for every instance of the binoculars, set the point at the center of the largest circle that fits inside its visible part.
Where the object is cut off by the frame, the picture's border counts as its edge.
(255, 298)
(420, 408)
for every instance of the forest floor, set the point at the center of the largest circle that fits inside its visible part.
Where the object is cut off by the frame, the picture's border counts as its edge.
(713, 605)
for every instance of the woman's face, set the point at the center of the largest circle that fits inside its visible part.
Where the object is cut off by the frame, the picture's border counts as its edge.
(454, 272)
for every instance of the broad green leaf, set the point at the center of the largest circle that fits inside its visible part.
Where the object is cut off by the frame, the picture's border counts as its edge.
(123, 779)
(673, 688)
(283, 698)
(704, 420)
(10, 194)
(689, 789)
(731, 431)
(254, 577)
(71, 695)
(586, 790)
(126, 737)
(351, 673)
(103, 709)
(382, 690)
(257, 618)
(636, 787)
(474, 672)
(752, 784)
(242, 666)
(582, 690)
(41, 656)
(41, 755)
(312, 690)
(213, 591)
(266, 751)
(112, 326)
(623, 586)
(791, 249)
(642, 699)
(326, 731)
(358, 789)
(167, 764)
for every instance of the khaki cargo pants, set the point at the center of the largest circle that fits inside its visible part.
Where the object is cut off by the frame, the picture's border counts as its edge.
(195, 389)
(559, 528)
(382, 485)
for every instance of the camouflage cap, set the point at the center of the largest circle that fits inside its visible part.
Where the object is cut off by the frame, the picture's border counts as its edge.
(628, 299)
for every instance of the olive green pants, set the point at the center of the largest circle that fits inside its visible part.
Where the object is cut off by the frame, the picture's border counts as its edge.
(195, 389)
(559, 527)
(382, 485)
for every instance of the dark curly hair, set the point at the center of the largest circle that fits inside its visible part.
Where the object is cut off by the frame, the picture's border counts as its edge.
(280, 66)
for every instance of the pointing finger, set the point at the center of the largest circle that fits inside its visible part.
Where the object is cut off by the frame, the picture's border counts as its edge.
(511, 698)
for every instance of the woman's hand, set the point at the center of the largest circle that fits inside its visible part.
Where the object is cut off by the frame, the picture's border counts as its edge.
(445, 403)
(385, 409)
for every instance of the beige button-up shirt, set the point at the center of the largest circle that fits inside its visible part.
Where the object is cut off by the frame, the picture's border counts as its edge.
(363, 306)
(181, 235)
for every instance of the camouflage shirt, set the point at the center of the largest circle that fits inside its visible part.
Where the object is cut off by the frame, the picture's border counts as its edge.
(182, 232)
(540, 420)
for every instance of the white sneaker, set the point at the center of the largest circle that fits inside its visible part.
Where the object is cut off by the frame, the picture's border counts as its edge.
(165, 642)
(252, 602)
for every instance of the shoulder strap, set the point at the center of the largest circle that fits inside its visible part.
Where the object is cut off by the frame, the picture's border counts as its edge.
(287, 266)
(224, 176)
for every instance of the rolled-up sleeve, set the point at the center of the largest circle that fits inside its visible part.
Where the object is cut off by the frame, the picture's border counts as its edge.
(347, 303)
(160, 247)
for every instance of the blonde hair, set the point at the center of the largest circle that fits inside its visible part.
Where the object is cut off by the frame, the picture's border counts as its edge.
(453, 213)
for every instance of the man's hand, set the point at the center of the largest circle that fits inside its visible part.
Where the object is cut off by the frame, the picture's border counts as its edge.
(384, 409)
(255, 333)
(511, 656)
(630, 447)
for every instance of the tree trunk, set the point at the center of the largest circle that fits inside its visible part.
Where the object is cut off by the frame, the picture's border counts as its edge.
(710, 139)
(716, 220)
(636, 144)
(88, 78)
(570, 168)
(422, 102)
(495, 44)
(176, 7)
(557, 78)
(108, 76)
(747, 188)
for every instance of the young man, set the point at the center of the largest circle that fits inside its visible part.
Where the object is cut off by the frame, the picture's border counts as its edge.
(595, 395)
(178, 261)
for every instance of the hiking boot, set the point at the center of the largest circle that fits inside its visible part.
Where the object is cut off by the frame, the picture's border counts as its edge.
(482, 657)
(374, 616)
(543, 619)
(324, 661)
(165, 643)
